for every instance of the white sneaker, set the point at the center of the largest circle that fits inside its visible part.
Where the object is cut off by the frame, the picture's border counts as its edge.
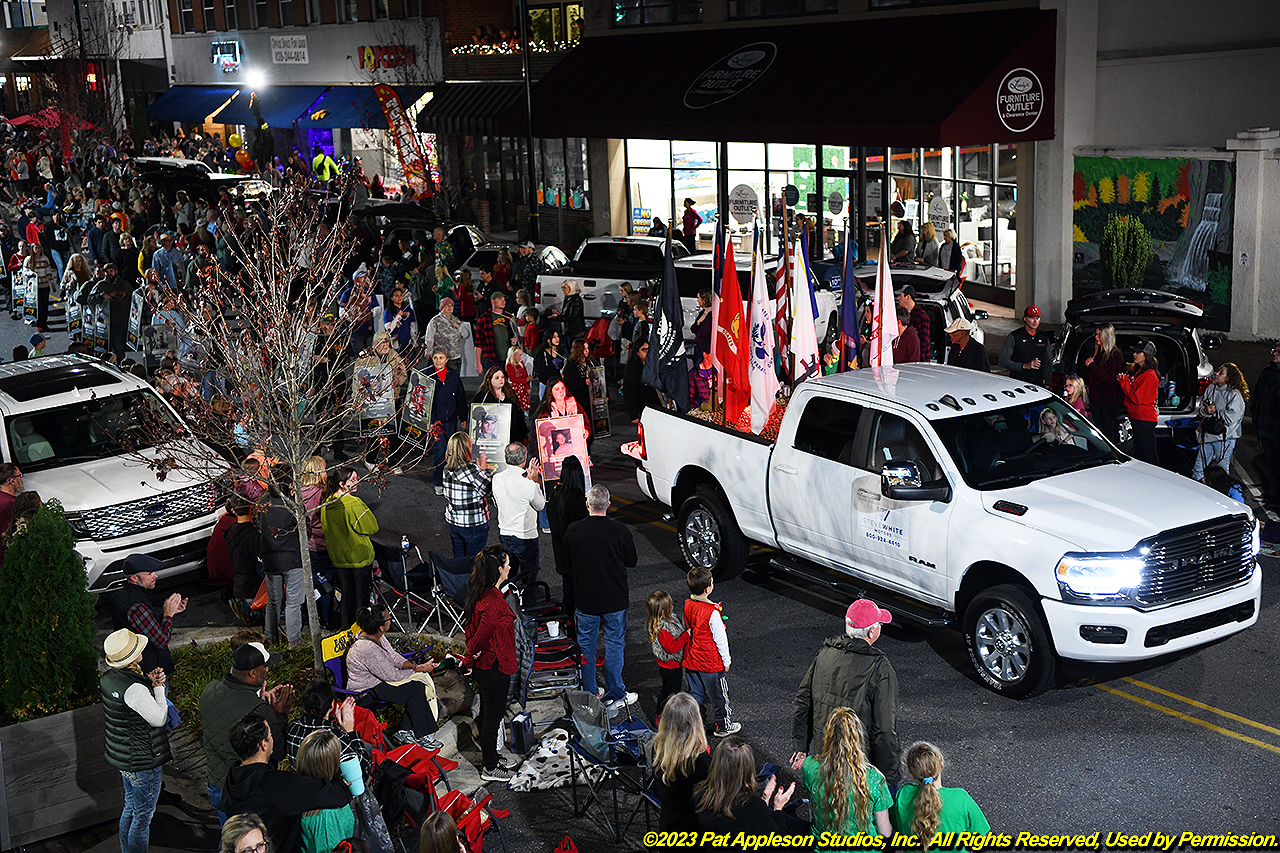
(497, 774)
(439, 490)
(618, 704)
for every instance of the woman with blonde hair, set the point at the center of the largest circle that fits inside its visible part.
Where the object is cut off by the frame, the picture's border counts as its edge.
(924, 808)
(313, 479)
(1226, 398)
(319, 757)
(850, 795)
(1106, 398)
(680, 762)
(927, 248)
(244, 833)
(466, 494)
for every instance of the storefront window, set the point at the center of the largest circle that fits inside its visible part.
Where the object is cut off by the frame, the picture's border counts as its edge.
(835, 157)
(741, 232)
(975, 162)
(937, 205)
(22, 85)
(646, 153)
(937, 162)
(835, 210)
(630, 13)
(1006, 236)
(650, 191)
(1007, 172)
(784, 155)
(746, 155)
(770, 8)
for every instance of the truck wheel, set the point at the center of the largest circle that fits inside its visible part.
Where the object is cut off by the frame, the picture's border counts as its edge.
(709, 536)
(1008, 642)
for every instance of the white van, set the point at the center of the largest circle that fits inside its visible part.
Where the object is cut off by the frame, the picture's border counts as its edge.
(67, 421)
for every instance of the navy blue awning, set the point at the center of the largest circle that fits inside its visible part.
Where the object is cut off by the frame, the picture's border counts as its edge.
(280, 106)
(189, 103)
(355, 106)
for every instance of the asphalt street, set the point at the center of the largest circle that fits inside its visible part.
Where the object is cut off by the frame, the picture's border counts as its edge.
(1187, 743)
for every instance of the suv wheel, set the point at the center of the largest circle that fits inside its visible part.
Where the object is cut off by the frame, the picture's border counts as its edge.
(1008, 642)
(709, 536)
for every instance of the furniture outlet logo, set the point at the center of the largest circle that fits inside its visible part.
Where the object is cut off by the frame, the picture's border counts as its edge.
(1020, 100)
(731, 75)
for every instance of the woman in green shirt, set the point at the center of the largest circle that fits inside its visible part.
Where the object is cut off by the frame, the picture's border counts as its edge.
(347, 524)
(322, 829)
(926, 809)
(849, 795)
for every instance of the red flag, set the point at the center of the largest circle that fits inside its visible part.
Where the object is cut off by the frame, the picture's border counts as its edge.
(729, 341)
(411, 159)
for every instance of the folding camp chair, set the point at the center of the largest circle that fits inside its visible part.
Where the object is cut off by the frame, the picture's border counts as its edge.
(394, 586)
(600, 748)
(545, 665)
(333, 651)
(440, 583)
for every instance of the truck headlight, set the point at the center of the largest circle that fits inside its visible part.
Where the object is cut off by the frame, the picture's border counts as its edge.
(1255, 544)
(1098, 575)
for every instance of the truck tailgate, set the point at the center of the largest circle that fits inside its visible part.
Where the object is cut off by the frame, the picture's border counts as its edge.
(679, 448)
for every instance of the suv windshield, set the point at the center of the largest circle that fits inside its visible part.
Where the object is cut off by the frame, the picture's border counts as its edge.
(1022, 443)
(85, 431)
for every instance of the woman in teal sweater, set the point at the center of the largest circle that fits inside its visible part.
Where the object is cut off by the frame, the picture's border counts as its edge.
(319, 756)
(347, 525)
(927, 810)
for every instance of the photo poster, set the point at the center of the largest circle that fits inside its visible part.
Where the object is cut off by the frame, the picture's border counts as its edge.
(100, 323)
(75, 318)
(490, 430)
(373, 396)
(415, 420)
(559, 438)
(599, 401)
(30, 294)
(135, 320)
(17, 292)
(157, 338)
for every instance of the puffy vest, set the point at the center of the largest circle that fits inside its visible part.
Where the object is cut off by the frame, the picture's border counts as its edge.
(675, 629)
(702, 654)
(132, 743)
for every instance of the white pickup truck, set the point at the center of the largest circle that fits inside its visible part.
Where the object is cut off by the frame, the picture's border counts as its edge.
(955, 497)
(600, 266)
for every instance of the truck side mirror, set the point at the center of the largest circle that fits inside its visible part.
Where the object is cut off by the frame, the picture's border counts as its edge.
(980, 314)
(900, 481)
(1211, 342)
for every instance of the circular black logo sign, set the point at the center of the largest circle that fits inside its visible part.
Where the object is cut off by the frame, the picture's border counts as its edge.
(1019, 100)
(731, 75)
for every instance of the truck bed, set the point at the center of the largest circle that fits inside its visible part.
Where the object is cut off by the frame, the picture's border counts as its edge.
(730, 456)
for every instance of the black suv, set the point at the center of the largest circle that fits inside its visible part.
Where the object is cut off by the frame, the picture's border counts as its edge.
(170, 174)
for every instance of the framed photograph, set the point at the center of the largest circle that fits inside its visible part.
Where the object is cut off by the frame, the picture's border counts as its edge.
(135, 319)
(599, 401)
(17, 291)
(490, 429)
(156, 338)
(558, 439)
(100, 322)
(415, 420)
(30, 293)
(373, 396)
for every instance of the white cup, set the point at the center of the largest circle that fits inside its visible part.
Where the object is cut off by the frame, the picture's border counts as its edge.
(553, 629)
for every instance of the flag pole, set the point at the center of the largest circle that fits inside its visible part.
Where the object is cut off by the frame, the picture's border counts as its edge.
(786, 248)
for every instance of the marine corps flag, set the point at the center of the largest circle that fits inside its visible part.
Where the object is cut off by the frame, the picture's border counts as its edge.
(729, 341)
(884, 313)
(666, 368)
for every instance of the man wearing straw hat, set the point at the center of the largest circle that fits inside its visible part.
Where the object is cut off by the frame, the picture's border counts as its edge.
(136, 742)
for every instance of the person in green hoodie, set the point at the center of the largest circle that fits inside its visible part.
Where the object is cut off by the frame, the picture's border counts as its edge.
(347, 525)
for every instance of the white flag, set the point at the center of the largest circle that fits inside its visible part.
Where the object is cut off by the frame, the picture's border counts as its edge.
(804, 332)
(764, 379)
(884, 313)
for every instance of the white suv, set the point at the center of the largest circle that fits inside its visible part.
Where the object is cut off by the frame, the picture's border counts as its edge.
(67, 421)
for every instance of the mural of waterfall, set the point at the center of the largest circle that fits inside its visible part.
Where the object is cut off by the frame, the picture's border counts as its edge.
(1187, 206)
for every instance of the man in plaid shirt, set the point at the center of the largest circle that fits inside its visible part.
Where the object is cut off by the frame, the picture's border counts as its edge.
(131, 608)
(494, 333)
(466, 493)
(919, 321)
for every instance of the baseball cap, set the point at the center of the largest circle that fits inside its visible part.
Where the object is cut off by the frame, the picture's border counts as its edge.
(329, 318)
(251, 656)
(380, 337)
(36, 339)
(1032, 311)
(527, 244)
(1147, 348)
(959, 324)
(908, 291)
(864, 613)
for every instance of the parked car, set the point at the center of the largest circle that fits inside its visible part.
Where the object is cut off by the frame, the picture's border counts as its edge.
(1170, 322)
(935, 491)
(170, 174)
(601, 265)
(67, 421)
(937, 291)
(487, 255)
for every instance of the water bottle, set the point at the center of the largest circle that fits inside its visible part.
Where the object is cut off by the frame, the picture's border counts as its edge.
(404, 544)
(1173, 394)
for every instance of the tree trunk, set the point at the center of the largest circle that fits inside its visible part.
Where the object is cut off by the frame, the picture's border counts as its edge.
(308, 587)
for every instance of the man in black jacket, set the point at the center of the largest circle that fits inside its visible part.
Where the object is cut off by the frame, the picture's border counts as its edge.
(281, 549)
(965, 351)
(1026, 351)
(849, 672)
(280, 798)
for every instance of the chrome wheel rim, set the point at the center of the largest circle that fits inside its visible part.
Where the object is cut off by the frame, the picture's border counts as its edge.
(1003, 643)
(702, 538)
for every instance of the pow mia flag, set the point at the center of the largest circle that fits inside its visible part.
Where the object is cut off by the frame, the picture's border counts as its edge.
(665, 368)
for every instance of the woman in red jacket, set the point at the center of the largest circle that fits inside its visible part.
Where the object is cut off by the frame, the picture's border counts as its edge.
(1140, 386)
(491, 650)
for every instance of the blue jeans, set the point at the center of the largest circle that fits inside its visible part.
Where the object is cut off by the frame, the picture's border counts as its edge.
(614, 628)
(141, 793)
(1214, 452)
(468, 541)
(215, 800)
(438, 447)
(524, 551)
(284, 590)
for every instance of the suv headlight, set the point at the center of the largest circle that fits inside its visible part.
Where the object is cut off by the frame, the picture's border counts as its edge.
(77, 525)
(1098, 576)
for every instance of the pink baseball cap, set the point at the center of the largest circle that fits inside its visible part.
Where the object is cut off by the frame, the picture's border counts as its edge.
(864, 613)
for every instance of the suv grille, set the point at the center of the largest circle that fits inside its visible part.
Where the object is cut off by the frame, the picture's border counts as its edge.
(1194, 561)
(150, 513)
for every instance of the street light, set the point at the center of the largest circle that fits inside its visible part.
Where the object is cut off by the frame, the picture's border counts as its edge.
(255, 79)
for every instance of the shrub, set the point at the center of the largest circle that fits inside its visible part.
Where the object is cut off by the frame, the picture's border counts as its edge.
(47, 634)
(1125, 252)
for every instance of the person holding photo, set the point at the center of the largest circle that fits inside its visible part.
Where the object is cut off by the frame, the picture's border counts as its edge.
(494, 390)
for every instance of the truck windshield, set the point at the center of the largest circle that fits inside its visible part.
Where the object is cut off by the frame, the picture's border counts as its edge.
(1022, 443)
(85, 431)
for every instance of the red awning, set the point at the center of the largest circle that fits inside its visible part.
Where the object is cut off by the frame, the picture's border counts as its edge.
(918, 81)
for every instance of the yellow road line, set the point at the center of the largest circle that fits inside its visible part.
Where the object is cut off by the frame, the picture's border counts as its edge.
(1190, 719)
(1202, 706)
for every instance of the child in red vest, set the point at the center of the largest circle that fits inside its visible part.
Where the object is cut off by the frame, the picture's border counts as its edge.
(668, 639)
(707, 658)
